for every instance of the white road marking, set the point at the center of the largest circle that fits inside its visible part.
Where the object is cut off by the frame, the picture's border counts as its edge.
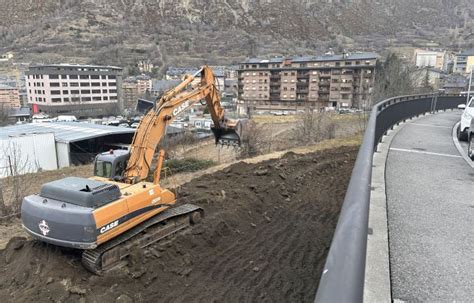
(429, 125)
(424, 152)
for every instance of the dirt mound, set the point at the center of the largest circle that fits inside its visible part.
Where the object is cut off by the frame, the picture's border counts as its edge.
(266, 233)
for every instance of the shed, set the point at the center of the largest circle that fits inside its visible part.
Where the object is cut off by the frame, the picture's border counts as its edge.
(74, 142)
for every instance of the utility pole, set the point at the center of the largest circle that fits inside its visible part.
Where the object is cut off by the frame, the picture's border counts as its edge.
(469, 87)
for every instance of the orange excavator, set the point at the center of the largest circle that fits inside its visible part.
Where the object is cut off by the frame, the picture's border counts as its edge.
(118, 209)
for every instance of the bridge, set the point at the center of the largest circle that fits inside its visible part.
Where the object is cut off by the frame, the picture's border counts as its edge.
(404, 232)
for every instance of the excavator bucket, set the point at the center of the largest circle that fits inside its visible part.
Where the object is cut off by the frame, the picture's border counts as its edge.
(230, 135)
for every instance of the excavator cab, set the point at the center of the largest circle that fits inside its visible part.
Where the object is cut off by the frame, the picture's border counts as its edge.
(111, 164)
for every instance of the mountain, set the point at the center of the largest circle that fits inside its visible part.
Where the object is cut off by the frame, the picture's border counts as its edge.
(183, 32)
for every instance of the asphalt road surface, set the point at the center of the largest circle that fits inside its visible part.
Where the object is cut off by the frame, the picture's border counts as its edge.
(430, 206)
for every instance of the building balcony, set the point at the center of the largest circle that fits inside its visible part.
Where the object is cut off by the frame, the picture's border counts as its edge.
(273, 76)
(302, 75)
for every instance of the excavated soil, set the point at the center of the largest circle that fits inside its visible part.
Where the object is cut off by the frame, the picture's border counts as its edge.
(265, 237)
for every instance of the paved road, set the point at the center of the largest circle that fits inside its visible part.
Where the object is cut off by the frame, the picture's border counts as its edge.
(430, 206)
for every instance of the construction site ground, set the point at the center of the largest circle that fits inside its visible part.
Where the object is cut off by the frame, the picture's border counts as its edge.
(268, 226)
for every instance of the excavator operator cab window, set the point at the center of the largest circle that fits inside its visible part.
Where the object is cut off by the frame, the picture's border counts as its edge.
(102, 169)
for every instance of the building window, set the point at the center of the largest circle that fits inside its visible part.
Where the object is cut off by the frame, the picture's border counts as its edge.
(73, 77)
(104, 91)
(64, 84)
(55, 92)
(338, 63)
(63, 76)
(74, 92)
(86, 98)
(53, 76)
(112, 77)
(96, 91)
(84, 76)
(113, 97)
(105, 98)
(104, 77)
(292, 73)
(85, 84)
(85, 91)
(95, 77)
(96, 98)
(54, 84)
(65, 92)
(65, 99)
(105, 83)
(95, 84)
(285, 74)
(348, 63)
(56, 100)
(75, 99)
(74, 84)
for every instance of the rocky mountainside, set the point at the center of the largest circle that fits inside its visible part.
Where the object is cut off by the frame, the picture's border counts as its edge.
(183, 32)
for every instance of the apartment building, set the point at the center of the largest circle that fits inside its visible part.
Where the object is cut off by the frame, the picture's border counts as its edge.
(81, 90)
(134, 88)
(323, 81)
(464, 62)
(9, 97)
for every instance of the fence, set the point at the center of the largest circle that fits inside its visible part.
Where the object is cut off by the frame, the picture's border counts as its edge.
(343, 276)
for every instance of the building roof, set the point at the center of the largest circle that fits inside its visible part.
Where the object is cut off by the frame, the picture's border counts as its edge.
(353, 56)
(219, 71)
(64, 131)
(3, 86)
(74, 66)
(162, 85)
(468, 52)
(19, 112)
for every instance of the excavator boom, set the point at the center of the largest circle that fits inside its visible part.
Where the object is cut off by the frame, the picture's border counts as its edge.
(153, 126)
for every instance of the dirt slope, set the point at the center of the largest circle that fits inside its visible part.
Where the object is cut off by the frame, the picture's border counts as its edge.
(267, 230)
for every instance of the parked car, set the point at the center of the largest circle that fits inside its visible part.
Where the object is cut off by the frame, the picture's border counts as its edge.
(468, 113)
(470, 138)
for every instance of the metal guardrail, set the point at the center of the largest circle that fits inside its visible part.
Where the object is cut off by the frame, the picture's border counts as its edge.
(343, 276)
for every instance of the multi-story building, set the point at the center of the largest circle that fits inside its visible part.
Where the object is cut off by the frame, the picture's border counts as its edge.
(81, 90)
(464, 62)
(324, 81)
(9, 97)
(430, 58)
(134, 88)
(130, 94)
(143, 84)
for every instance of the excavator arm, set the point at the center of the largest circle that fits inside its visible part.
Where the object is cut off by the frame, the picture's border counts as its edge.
(152, 128)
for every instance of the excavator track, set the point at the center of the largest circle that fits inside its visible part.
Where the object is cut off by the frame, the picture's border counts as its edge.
(111, 254)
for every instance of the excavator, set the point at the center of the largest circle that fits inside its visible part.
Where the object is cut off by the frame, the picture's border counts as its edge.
(118, 209)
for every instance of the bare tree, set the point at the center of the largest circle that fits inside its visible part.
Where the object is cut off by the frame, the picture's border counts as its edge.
(253, 141)
(314, 127)
(18, 169)
(4, 110)
(392, 78)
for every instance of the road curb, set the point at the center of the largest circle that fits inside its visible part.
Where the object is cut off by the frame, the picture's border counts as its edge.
(377, 271)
